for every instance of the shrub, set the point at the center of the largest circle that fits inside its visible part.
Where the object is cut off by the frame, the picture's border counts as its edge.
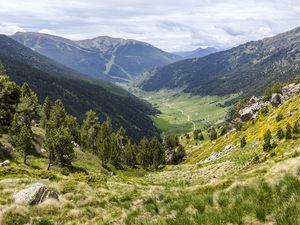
(280, 134)
(288, 133)
(267, 146)
(279, 117)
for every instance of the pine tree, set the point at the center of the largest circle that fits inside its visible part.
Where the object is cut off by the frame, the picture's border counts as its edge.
(267, 141)
(243, 142)
(129, 154)
(73, 126)
(89, 130)
(288, 133)
(9, 98)
(57, 116)
(280, 134)
(46, 112)
(14, 130)
(213, 134)
(59, 143)
(27, 109)
(144, 154)
(24, 142)
(157, 152)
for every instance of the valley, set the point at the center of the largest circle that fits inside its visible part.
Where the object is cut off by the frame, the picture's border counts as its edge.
(182, 112)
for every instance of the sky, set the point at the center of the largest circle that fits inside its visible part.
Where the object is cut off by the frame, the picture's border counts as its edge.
(172, 25)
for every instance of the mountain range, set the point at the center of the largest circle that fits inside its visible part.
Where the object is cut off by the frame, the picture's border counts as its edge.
(78, 93)
(113, 59)
(247, 69)
(197, 53)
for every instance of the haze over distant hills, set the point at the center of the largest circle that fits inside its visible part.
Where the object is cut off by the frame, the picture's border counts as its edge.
(248, 68)
(113, 59)
(197, 53)
(78, 93)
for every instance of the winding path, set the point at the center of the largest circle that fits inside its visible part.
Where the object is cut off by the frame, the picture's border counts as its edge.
(183, 113)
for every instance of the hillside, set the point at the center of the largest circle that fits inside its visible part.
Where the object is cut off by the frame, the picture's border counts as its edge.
(248, 68)
(239, 185)
(49, 78)
(113, 59)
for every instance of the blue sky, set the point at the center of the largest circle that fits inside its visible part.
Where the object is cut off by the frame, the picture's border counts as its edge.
(172, 25)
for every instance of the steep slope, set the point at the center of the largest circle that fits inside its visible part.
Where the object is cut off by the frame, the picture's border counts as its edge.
(79, 94)
(248, 68)
(197, 53)
(102, 57)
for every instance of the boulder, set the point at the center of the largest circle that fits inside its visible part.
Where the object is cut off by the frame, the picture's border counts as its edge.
(276, 99)
(5, 163)
(35, 194)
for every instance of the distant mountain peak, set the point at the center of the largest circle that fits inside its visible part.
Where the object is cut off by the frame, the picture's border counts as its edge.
(197, 53)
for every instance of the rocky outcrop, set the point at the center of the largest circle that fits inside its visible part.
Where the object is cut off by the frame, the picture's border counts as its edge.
(251, 110)
(276, 99)
(5, 163)
(35, 194)
(290, 91)
(216, 155)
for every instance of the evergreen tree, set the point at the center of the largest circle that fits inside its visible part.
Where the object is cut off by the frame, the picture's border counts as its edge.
(59, 143)
(103, 148)
(9, 98)
(267, 146)
(27, 109)
(288, 133)
(213, 134)
(157, 150)
(24, 142)
(73, 126)
(89, 130)
(280, 134)
(57, 116)
(129, 154)
(14, 130)
(144, 154)
(46, 112)
(243, 142)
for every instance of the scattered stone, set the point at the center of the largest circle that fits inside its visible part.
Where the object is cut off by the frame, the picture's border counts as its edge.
(5, 163)
(276, 99)
(76, 145)
(43, 150)
(35, 194)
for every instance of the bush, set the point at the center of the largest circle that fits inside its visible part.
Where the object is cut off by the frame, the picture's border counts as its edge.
(279, 117)
(280, 134)
(267, 146)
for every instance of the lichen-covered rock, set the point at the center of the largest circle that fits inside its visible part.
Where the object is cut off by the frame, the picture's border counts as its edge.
(276, 99)
(251, 111)
(35, 194)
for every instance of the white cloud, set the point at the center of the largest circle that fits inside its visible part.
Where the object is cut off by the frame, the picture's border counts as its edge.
(169, 24)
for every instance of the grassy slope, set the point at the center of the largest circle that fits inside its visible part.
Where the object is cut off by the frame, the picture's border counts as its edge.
(202, 110)
(247, 186)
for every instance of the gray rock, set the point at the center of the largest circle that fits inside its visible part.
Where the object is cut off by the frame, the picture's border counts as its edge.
(35, 194)
(290, 91)
(5, 163)
(251, 111)
(216, 155)
(276, 99)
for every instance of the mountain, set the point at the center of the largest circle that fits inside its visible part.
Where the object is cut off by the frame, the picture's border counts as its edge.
(197, 53)
(113, 59)
(248, 68)
(79, 94)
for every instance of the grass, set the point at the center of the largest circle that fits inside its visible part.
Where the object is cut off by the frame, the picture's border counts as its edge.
(202, 110)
